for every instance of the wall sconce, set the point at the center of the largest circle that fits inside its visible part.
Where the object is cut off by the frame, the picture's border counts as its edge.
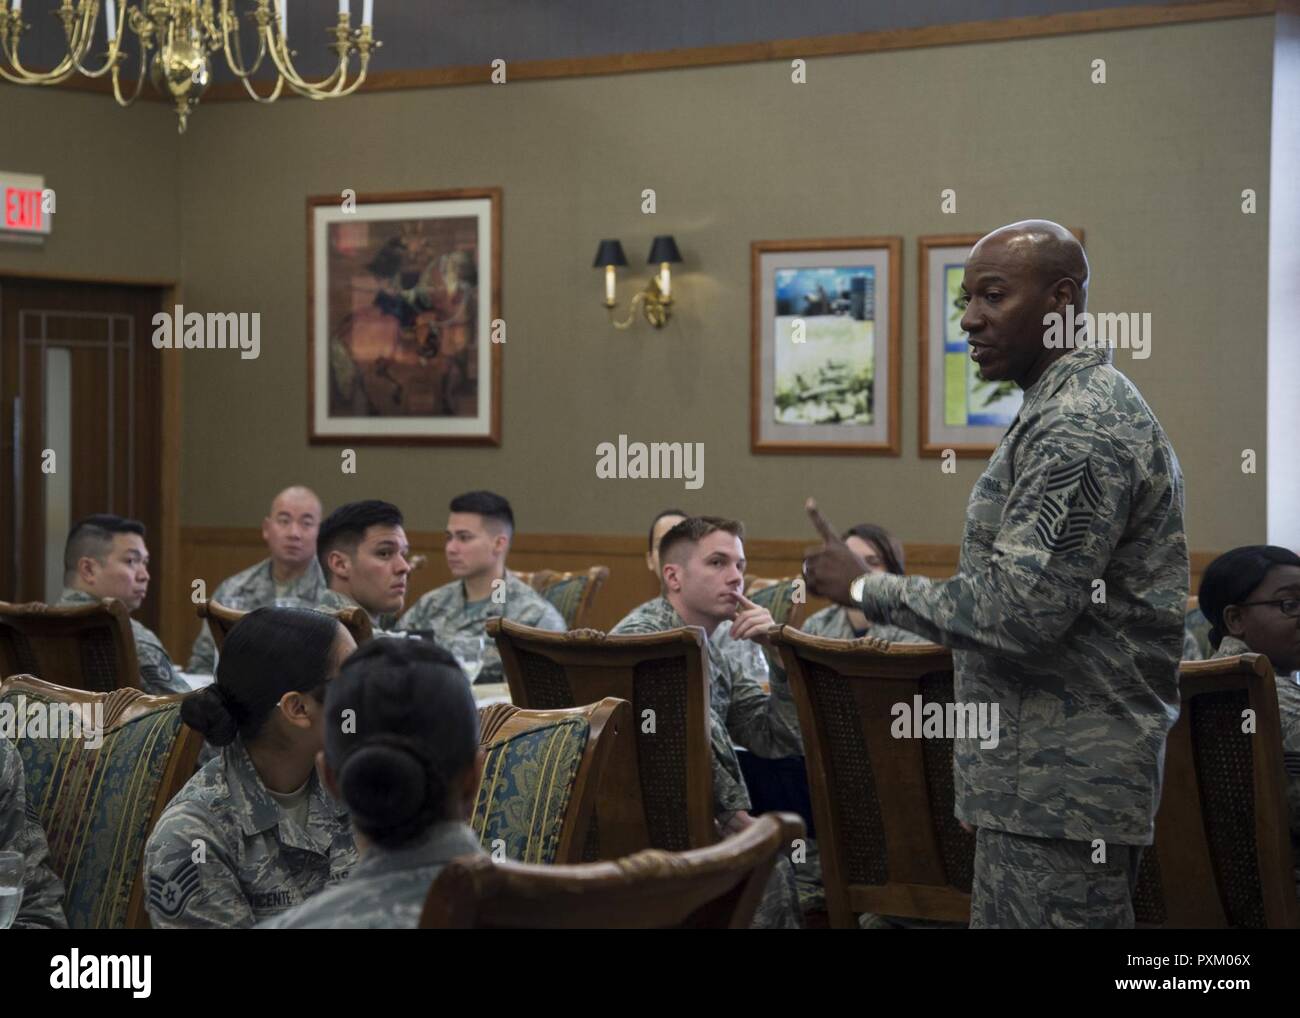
(657, 297)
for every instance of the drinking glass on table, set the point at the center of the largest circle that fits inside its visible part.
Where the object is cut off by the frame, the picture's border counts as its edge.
(11, 887)
(468, 651)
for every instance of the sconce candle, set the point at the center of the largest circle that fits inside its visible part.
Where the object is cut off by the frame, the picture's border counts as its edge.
(665, 282)
(609, 285)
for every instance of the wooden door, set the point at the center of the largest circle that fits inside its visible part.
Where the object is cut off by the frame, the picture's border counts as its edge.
(80, 425)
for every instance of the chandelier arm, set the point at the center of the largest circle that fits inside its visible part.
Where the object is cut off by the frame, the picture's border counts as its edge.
(334, 86)
(114, 49)
(284, 65)
(139, 81)
(339, 90)
(61, 72)
(272, 97)
(235, 60)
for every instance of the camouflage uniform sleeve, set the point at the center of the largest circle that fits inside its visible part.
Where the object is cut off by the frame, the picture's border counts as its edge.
(765, 724)
(203, 654)
(42, 903)
(730, 793)
(157, 675)
(418, 616)
(1060, 524)
(190, 876)
(541, 614)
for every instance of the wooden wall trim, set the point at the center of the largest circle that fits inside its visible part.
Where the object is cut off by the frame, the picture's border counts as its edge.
(213, 553)
(999, 30)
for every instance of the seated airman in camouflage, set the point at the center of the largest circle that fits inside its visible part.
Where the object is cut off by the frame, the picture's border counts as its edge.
(882, 553)
(291, 577)
(254, 832)
(745, 654)
(106, 557)
(703, 576)
(408, 770)
(479, 529)
(40, 906)
(1251, 597)
(366, 559)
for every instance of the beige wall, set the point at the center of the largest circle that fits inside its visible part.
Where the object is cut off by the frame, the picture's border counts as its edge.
(115, 177)
(1151, 164)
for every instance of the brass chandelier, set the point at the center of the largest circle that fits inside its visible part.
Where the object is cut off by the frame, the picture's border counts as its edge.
(175, 38)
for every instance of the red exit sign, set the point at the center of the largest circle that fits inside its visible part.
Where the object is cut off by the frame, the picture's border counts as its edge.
(26, 206)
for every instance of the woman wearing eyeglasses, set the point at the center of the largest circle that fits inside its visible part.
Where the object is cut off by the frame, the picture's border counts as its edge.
(1251, 597)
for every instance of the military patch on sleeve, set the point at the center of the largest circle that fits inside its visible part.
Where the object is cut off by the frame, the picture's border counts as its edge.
(1071, 499)
(168, 895)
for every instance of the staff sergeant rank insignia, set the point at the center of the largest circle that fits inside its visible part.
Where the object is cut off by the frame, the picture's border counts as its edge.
(1070, 501)
(169, 896)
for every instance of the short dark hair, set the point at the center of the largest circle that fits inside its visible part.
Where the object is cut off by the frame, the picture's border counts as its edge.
(1233, 577)
(346, 527)
(891, 549)
(650, 537)
(269, 652)
(487, 504)
(694, 529)
(92, 537)
(415, 729)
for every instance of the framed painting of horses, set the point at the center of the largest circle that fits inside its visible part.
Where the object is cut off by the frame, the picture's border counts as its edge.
(404, 327)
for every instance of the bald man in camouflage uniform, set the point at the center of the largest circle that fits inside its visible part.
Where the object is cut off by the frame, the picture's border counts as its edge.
(291, 573)
(42, 903)
(226, 853)
(1067, 610)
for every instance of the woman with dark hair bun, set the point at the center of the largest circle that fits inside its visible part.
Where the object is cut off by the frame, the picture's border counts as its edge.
(402, 751)
(883, 553)
(254, 833)
(1251, 597)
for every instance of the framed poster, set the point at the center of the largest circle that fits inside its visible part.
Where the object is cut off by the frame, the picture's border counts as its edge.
(403, 291)
(958, 409)
(824, 345)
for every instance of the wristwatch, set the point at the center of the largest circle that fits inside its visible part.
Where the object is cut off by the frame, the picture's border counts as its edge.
(858, 587)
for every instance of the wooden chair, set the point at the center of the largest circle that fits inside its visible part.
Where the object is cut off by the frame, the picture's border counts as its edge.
(1222, 853)
(883, 806)
(98, 804)
(571, 593)
(221, 620)
(78, 646)
(777, 596)
(657, 790)
(718, 887)
(563, 753)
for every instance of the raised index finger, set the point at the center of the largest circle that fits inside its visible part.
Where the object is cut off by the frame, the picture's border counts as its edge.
(819, 521)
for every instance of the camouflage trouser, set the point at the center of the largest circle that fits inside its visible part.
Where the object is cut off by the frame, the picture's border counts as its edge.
(1043, 883)
(808, 878)
(779, 908)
